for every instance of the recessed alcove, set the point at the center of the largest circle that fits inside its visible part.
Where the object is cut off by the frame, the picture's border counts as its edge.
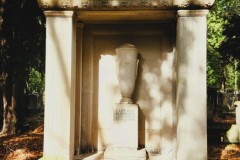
(154, 89)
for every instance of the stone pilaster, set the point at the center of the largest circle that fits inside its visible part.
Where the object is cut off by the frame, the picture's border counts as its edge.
(191, 85)
(78, 113)
(60, 85)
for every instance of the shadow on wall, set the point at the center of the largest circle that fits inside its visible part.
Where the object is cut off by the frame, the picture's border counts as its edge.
(155, 88)
(154, 92)
(191, 91)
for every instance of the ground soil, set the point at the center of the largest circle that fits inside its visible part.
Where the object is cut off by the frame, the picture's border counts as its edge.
(218, 148)
(28, 145)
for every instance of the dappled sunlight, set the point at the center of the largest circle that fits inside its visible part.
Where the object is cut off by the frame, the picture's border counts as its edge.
(108, 85)
(24, 146)
(153, 91)
(108, 82)
(152, 81)
(191, 87)
(108, 95)
(156, 101)
(166, 121)
(231, 151)
(21, 154)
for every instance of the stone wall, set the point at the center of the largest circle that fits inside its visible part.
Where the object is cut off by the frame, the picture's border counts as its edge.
(154, 90)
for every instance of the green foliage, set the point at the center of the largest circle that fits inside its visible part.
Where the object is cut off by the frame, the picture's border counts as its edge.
(36, 82)
(223, 45)
(230, 47)
(212, 77)
(230, 76)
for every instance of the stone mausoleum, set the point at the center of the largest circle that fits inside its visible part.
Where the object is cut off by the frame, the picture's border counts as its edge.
(84, 118)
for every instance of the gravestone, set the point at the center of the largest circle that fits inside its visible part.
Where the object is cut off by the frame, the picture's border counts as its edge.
(233, 134)
(33, 102)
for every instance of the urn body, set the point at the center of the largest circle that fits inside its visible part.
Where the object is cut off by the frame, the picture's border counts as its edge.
(127, 64)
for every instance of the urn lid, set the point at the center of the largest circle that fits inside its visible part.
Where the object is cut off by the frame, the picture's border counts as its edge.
(127, 46)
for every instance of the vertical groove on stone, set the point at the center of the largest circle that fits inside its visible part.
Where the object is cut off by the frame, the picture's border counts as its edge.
(191, 87)
(90, 111)
(78, 88)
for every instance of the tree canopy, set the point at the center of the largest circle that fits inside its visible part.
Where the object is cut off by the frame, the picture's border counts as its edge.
(223, 45)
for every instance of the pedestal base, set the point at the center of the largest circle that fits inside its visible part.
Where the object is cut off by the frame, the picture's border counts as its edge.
(124, 154)
(125, 126)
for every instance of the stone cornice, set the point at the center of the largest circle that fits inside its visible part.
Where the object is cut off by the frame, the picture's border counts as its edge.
(122, 4)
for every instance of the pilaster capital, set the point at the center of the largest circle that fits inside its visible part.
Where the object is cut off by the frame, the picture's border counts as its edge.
(59, 13)
(56, 4)
(192, 13)
(193, 4)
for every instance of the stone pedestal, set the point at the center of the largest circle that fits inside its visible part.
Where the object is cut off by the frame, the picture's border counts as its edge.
(125, 134)
(125, 126)
(124, 154)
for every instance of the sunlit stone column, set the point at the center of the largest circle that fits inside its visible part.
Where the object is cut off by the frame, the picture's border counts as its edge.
(60, 86)
(191, 85)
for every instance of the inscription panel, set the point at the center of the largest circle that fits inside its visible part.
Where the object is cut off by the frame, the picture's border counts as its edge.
(125, 126)
(125, 115)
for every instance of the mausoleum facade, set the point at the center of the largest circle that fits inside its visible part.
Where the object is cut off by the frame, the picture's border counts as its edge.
(82, 81)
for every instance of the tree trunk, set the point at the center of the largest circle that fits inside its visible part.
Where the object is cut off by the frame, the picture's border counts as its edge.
(236, 76)
(18, 100)
(1, 105)
(223, 87)
(9, 117)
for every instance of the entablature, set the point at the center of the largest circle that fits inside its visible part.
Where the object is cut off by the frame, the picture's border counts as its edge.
(124, 4)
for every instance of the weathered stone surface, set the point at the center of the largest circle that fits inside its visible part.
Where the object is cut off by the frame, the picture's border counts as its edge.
(60, 87)
(49, 4)
(193, 3)
(156, 4)
(124, 154)
(191, 85)
(233, 134)
(125, 126)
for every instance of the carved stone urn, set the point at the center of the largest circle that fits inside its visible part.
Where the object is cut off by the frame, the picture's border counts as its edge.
(127, 64)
